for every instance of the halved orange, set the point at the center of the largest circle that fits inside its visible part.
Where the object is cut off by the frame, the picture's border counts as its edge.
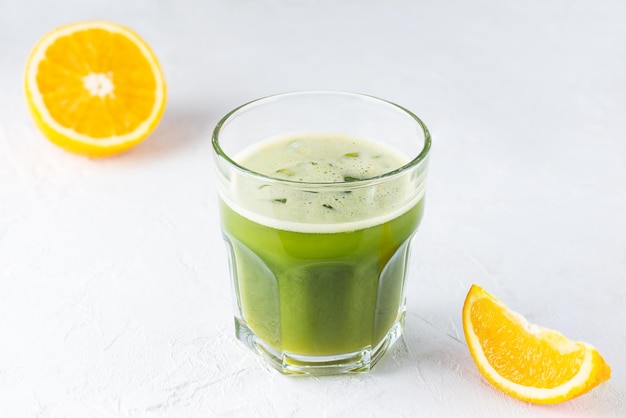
(94, 88)
(527, 361)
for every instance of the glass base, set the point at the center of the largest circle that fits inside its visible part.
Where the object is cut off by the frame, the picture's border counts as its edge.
(294, 364)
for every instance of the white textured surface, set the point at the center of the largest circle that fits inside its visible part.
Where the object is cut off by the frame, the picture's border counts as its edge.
(114, 300)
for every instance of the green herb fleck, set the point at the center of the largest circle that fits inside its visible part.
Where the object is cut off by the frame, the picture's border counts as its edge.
(327, 206)
(351, 154)
(286, 171)
(350, 178)
(283, 200)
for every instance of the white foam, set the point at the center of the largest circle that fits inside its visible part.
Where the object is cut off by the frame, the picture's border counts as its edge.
(321, 228)
(322, 208)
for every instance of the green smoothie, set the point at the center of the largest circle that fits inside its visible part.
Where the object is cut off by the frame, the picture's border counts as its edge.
(320, 271)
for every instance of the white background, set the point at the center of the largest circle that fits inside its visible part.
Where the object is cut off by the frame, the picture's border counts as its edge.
(114, 297)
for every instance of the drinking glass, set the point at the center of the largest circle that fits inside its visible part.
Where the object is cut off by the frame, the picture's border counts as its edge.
(320, 294)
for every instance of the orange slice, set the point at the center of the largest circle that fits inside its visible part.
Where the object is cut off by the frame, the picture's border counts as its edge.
(94, 88)
(527, 361)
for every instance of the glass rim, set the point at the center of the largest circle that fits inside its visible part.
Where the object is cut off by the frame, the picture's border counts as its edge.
(414, 162)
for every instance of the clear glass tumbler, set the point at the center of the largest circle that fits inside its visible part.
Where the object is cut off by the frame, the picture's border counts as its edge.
(318, 254)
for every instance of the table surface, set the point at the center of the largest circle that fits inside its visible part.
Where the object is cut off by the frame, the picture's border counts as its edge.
(114, 297)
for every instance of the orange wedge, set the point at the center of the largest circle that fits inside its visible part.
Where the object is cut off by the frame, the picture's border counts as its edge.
(527, 361)
(94, 88)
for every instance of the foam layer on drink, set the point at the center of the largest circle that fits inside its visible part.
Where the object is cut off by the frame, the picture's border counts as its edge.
(317, 184)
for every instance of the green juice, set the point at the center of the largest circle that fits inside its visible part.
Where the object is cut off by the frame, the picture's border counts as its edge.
(320, 293)
(320, 273)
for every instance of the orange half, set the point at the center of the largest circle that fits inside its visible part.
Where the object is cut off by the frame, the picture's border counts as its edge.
(527, 361)
(94, 88)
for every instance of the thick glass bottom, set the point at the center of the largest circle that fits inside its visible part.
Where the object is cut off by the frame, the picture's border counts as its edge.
(295, 364)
